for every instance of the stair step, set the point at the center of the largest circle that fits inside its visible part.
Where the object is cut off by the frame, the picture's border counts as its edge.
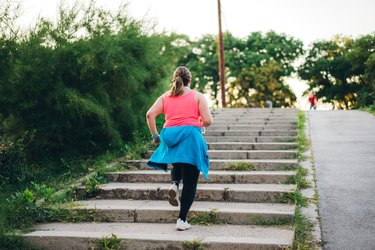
(159, 236)
(246, 154)
(250, 138)
(251, 146)
(157, 176)
(255, 116)
(259, 193)
(252, 154)
(220, 133)
(250, 127)
(253, 123)
(224, 164)
(162, 212)
(245, 120)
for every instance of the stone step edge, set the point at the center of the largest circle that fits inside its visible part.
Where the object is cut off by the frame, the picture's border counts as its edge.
(243, 151)
(257, 193)
(225, 164)
(263, 237)
(161, 212)
(227, 160)
(255, 145)
(244, 154)
(215, 176)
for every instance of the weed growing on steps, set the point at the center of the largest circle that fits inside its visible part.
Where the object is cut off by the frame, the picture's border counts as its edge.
(206, 218)
(294, 198)
(92, 184)
(303, 238)
(299, 179)
(289, 168)
(109, 243)
(192, 245)
(301, 137)
(274, 222)
(303, 228)
(240, 166)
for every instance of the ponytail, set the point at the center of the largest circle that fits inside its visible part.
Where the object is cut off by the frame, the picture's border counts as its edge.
(177, 87)
(181, 78)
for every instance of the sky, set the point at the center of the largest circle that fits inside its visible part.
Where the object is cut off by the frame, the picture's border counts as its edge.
(307, 20)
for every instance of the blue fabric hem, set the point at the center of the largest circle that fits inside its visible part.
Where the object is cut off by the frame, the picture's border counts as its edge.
(181, 144)
(159, 166)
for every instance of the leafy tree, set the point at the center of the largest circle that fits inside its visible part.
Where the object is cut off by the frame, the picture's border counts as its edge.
(84, 83)
(202, 60)
(251, 53)
(340, 71)
(362, 59)
(256, 85)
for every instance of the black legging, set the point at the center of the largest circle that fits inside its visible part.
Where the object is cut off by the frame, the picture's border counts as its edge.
(189, 174)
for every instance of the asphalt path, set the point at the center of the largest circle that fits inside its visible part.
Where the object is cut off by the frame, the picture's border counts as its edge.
(343, 144)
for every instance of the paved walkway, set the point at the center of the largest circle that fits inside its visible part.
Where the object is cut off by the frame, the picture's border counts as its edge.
(344, 153)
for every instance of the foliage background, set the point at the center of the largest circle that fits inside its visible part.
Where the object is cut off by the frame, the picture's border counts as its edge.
(82, 84)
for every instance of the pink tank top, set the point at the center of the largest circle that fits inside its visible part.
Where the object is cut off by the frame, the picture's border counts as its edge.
(181, 110)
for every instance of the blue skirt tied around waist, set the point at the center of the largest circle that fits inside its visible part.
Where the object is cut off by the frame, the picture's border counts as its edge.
(181, 144)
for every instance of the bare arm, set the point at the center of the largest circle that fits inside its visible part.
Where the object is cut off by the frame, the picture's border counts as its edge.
(204, 110)
(155, 110)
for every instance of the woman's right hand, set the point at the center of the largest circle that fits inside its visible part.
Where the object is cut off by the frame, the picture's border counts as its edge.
(156, 139)
(206, 116)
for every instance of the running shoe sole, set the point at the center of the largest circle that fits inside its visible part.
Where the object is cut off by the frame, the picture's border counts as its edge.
(173, 200)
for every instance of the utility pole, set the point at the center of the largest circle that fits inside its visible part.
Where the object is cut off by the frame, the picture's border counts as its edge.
(221, 59)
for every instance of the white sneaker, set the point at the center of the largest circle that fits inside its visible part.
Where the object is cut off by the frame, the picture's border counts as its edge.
(173, 195)
(182, 225)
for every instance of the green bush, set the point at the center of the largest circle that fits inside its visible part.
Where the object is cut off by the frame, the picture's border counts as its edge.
(13, 161)
(25, 208)
(83, 84)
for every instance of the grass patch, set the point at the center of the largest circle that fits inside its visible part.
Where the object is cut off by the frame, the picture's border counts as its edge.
(92, 184)
(316, 198)
(370, 109)
(12, 240)
(109, 243)
(303, 238)
(301, 137)
(277, 222)
(240, 166)
(289, 168)
(206, 218)
(192, 245)
(294, 198)
(287, 140)
(300, 179)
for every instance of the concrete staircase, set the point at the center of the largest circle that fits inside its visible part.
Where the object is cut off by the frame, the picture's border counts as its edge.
(247, 207)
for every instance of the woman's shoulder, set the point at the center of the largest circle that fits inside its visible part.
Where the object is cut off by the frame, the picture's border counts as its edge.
(166, 94)
(197, 93)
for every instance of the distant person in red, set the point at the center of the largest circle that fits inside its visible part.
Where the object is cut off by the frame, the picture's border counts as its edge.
(312, 100)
